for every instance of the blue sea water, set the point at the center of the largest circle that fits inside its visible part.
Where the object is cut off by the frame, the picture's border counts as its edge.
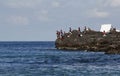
(42, 59)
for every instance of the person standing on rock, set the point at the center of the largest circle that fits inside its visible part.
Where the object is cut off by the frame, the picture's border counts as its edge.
(70, 30)
(62, 35)
(58, 34)
(79, 31)
(104, 33)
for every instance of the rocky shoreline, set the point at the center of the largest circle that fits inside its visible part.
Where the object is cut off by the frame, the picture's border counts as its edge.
(89, 40)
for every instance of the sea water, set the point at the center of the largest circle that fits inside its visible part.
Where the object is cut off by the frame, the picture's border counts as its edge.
(43, 59)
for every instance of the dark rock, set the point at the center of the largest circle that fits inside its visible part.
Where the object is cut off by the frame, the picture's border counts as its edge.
(91, 41)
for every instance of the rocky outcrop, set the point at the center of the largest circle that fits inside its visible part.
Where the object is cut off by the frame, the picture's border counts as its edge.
(89, 40)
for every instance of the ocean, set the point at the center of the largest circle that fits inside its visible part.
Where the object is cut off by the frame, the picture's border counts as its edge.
(43, 59)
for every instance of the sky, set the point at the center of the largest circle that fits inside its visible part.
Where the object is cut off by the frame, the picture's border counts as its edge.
(38, 20)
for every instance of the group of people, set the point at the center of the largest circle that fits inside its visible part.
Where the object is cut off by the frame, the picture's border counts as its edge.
(60, 34)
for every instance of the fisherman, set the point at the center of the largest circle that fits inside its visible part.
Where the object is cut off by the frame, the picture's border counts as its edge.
(104, 33)
(85, 29)
(62, 35)
(114, 29)
(70, 30)
(58, 34)
(79, 29)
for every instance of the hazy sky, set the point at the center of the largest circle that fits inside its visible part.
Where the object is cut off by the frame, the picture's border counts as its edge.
(38, 20)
